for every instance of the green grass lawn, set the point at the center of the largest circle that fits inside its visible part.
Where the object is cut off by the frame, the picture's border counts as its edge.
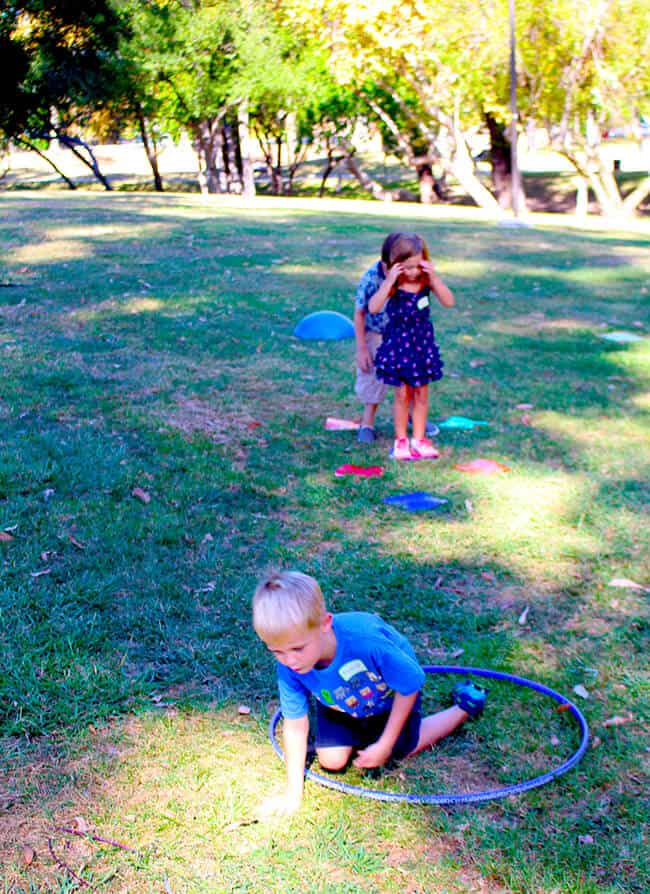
(162, 443)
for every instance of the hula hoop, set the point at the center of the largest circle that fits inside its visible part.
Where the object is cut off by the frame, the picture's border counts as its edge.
(469, 797)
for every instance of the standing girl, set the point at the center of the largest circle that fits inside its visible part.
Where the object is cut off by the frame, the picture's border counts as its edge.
(408, 357)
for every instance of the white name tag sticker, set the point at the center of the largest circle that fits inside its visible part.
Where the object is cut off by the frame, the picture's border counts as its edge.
(423, 302)
(351, 669)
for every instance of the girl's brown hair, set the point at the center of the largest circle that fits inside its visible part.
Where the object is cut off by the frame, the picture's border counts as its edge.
(405, 246)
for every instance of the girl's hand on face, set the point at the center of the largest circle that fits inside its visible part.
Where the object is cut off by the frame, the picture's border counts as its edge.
(428, 269)
(394, 273)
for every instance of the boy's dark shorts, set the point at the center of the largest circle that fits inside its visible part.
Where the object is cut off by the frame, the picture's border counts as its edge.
(336, 728)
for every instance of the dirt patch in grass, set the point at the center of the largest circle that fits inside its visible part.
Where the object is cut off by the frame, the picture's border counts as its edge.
(49, 790)
(192, 414)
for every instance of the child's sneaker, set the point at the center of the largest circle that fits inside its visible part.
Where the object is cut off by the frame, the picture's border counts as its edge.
(470, 697)
(366, 435)
(422, 448)
(401, 449)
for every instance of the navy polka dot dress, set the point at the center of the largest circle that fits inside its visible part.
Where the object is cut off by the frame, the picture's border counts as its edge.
(408, 353)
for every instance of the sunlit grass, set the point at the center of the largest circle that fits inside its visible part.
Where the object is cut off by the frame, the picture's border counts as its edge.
(159, 355)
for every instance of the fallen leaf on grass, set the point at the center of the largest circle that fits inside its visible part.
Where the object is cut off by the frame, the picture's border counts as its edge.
(526, 419)
(237, 825)
(41, 573)
(457, 653)
(210, 587)
(523, 617)
(581, 691)
(596, 741)
(586, 839)
(5, 538)
(243, 709)
(525, 406)
(28, 856)
(469, 506)
(75, 542)
(618, 720)
(626, 582)
(482, 467)
(80, 825)
(141, 495)
(554, 740)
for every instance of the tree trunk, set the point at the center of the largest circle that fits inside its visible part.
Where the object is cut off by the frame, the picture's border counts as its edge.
(372, 186)
(501, 161)
(461, 165)
(247, 174)
(591, 166)
(277, 185)
(150, 150)
(582, 197)
(42, 155)
(332, 162)
(632, 201)
(208, 147)
(230, 153)
(426, 183)
(71, 143)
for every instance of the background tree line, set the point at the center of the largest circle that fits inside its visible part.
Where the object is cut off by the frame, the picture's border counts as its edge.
(300, 76)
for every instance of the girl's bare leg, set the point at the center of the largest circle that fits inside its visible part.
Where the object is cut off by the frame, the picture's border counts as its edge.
(403, 396)
(437, 726)
(420, 410)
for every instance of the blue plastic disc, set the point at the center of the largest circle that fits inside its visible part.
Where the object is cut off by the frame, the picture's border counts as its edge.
(415, 502)
(327, 325)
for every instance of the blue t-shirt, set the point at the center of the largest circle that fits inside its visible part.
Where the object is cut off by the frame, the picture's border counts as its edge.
(369, 284)
(372, 662)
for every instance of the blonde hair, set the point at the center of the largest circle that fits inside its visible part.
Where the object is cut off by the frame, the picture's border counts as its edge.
(286, 600)
(406, 245)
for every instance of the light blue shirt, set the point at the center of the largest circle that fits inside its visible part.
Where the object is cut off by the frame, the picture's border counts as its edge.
(372, 662)
(368, 285)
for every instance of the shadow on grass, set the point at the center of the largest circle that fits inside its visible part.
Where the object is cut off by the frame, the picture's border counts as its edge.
(109, 600)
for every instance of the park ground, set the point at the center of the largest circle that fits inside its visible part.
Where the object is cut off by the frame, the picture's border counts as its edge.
(548, 178)
(163, 443)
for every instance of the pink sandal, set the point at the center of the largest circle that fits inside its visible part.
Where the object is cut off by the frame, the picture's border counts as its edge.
(422, 448)
(401, 449)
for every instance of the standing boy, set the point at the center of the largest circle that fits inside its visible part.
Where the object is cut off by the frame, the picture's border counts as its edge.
(363, 674)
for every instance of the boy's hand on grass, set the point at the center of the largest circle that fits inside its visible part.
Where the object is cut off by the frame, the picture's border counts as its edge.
(284, 804)
(374, 755)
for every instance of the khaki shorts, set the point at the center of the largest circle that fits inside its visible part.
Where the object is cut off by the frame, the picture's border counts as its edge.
(368, 388)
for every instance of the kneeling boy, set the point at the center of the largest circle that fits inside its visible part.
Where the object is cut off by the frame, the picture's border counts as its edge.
(363, 674)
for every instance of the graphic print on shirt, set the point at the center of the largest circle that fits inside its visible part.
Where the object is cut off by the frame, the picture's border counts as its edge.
(362, 693)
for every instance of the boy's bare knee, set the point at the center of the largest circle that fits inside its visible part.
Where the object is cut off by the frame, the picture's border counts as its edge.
(334, 759)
